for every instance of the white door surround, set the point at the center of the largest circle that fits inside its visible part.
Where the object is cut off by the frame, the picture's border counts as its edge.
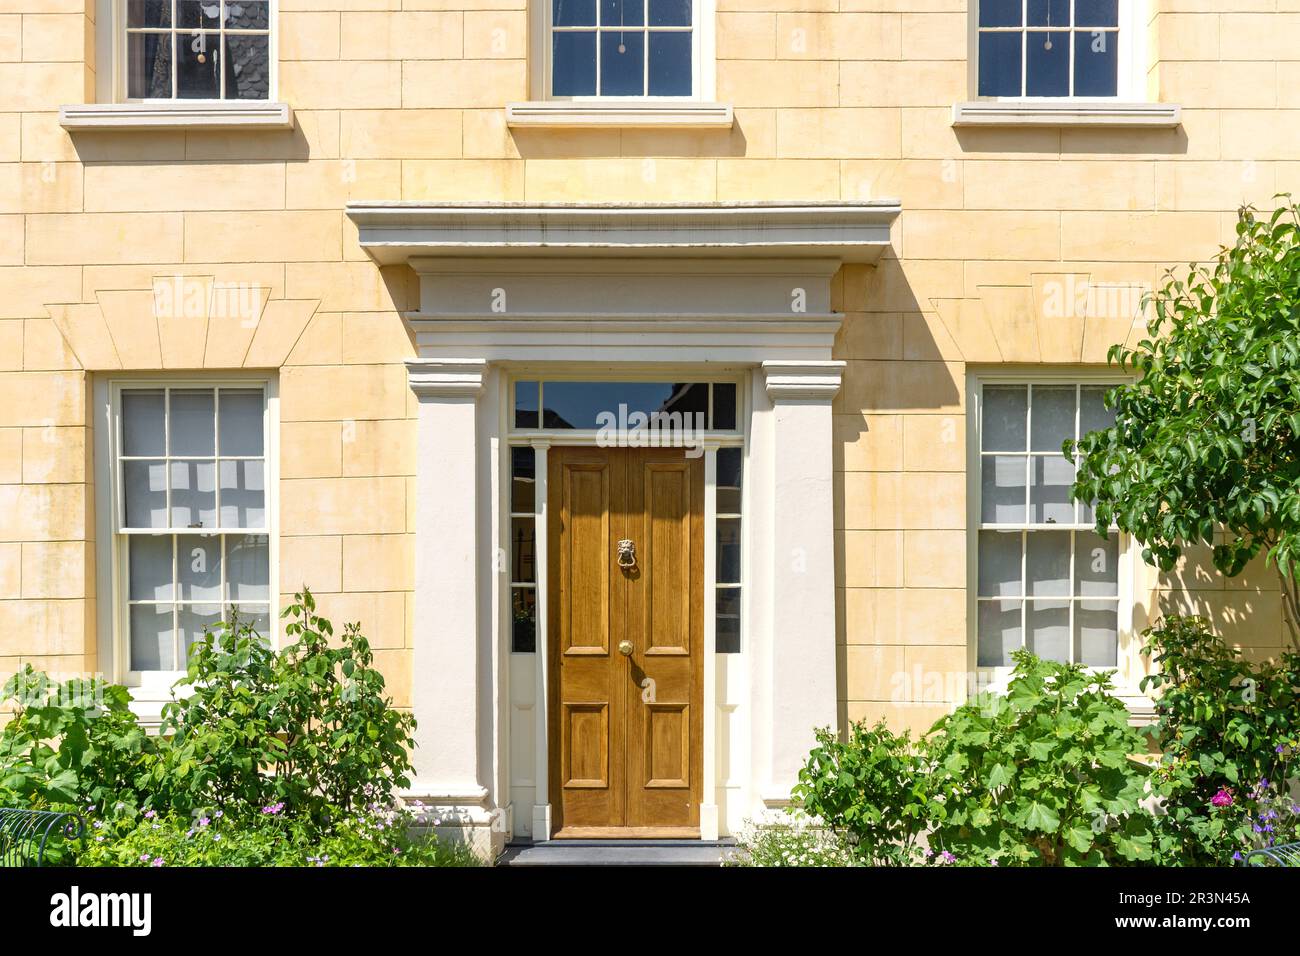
(612, 293)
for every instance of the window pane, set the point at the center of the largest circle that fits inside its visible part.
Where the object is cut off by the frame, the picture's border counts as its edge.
(1049, 13)
(150, 559)
(1093, 414)
(526, 404)
(149, 66)
(523, 484)
(198, 567)
(670, 13)
(248, 67)
(142, 423)
(1096, 565)
(573, 64)
(670, 64)
(198, 66)
(194, 494)
(593, 405)
(1096, 13)
(148, 13)
(729, 481)
(523, 630)
(198, 13)
(241, 422)
(724, 405)
(1047, 69)
(727, 633)
(999, 63)
(1096, 633)
(999, 564)
(248, 15)
(573, 13)
(1003, 422)
(523, 550)
(622, 13)
(1049, 496)
(192, 422)
(243, 493)
(152, 648)
(248, 567)
(145, 494)
(1048, 624)
(1002, 489)
(192, 620)
(1047, 563)
(1000, 13)
(1096, 63)
(728, 550)
(1053, 417)
(999, 632)
(622, 64)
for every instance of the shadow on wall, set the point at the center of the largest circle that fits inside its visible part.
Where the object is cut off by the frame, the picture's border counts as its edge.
(1082, 141)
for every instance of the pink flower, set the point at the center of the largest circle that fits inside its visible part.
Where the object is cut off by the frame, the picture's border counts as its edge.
(1222, 799)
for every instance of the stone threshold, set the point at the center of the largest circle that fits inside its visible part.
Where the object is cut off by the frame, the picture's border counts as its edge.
(696, 853)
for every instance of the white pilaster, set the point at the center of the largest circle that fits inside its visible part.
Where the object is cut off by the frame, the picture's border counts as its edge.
(447, 682)
(709, 803)
(541, 710)
(803, 686)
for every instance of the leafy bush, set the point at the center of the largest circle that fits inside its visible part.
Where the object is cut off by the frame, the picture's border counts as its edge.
(371, 837)
(309, 726)
(870, 786)
(1042, 776)
(791, 844)
(1224, 725)
(70, 745)
(1275, 819)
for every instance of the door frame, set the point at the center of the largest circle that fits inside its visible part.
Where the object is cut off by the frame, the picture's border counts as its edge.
(541, 441)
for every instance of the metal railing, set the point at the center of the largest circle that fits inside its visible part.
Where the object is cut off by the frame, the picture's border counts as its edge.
(25, 834)
(1286, 854)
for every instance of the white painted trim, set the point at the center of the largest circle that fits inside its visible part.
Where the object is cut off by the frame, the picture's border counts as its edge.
(654, 114)
(176, 114)
(1096, 113)
(851, 231)
(709, 757)
(541, 828)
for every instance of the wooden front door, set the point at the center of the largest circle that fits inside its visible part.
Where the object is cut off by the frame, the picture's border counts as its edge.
(626, 658)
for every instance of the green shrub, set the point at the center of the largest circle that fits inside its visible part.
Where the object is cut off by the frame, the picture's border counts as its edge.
(309, 726)
(791, 844)
(1224, 726)
(1042, 776)
(870, 787)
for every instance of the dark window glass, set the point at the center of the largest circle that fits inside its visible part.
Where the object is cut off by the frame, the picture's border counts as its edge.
(1049, 13)
(573, 13)
(198, 66)
(622, 64)
(1096, 63)
(523, 480)
(248, 15)
(523, 550)
(999, 55)
(525, 404)
(1000, 13)
(670, 13)
(592, 405)
(523, 627)
(573, 64)
(1047, 69)
(1096, 13)
(149, 66)
(622, 13)
(728, 621)
(146, 14)
(729, 473)
(670, 64)
(728, 550)
(724, 405)
(248, 67)
(198, 13)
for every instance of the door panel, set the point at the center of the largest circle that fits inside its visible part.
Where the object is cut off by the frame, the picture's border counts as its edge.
(626, 731)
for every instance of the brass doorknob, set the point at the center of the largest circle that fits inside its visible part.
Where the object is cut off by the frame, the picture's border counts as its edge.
(625, 648)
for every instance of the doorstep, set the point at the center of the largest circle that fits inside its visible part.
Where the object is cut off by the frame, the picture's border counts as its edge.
(617, 853)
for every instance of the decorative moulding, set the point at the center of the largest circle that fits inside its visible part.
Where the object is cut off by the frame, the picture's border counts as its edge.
(803, 381)
(585, 115)
(446, 378)
(175, 115)
(1066, 113)
(850, 231)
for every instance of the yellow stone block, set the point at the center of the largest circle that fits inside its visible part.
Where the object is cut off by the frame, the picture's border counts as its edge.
(56, 569)
(464, 84)
(409, 134)
(375, 35)
(315, 561)
(184, 186)
(43, 628)
(308, 36)
(54, 455)
(342, 84)
(40, 187)
(42, 398)
(934, 559)
(11, 456)
(294, 236)
(321, 342)
(103, 238)
(777, 179)
(379, 448)
(11, 565)
(378, 562)
(491, 34)
(934, 443)
(746, 36)
(381, 615)
(43, 513)
(58, 37)
(343, 506)
(808, 35)
(330, 184)
(750, 83)
(311, 449)
(376, 338)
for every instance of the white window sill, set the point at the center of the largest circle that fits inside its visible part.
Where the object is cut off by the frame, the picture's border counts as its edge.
(1060, 113)
(655, 114)
(176, 115)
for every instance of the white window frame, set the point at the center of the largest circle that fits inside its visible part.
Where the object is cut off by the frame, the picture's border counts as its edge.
(114, 614)
(1133, 60)
(111, 83)
(1131, 616)
(703, 60)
